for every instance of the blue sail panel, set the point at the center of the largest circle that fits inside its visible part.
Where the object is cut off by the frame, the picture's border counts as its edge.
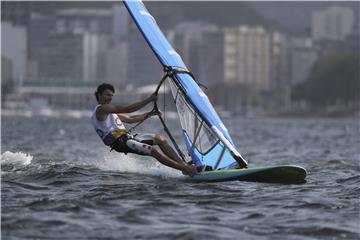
(218, 158)
(153, 35)
(204, 147)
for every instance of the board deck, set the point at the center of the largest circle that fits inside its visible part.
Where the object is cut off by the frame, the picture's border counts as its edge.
(272, 174)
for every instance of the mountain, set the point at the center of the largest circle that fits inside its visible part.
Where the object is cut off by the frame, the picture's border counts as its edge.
(295, 16)
(169, 13)
(289, 16)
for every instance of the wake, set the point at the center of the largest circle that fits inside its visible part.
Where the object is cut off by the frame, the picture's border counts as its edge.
(109, 161)
(136, 164)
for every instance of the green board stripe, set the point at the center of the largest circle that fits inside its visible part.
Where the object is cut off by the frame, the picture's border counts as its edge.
(280, 174)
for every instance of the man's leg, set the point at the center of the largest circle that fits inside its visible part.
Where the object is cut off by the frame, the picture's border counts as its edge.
(145, 149)
(166, 148)
(164, 159)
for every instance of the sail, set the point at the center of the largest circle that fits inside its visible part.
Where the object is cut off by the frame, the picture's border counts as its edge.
(207, 139)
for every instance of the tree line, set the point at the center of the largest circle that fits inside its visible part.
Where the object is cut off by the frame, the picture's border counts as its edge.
(333, 80)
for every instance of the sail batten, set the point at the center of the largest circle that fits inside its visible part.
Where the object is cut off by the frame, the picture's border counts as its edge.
(206, 137)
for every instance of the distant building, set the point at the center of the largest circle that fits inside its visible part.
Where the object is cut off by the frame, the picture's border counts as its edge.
(120, 22)
(187, 39)
(303, 55)
(94, 60)
(72, 59)
(70, 48)
(79, 20)
(116, 71)
(82, 47)
(13, 48)
(201, 47)
(143, 66)
(61, 64)
(333, 23)
(211, 57)
(40, 28)
(16, 12)
(280, 64)
(247, 57)
(6, 70)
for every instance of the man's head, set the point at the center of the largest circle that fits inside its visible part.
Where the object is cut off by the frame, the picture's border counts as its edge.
(104, 93)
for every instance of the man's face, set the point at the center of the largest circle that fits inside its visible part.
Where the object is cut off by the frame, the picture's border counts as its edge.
(106, 96)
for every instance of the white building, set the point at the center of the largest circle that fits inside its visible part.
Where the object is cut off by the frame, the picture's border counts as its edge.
(13, 48)
(333, 23)
(247, 57)
(121, 22)
(95, 47)
(143, 66)
(117, 65)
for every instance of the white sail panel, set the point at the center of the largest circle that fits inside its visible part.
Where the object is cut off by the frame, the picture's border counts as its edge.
(200, 135)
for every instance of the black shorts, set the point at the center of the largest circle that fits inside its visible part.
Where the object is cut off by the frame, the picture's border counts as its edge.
(140, 143)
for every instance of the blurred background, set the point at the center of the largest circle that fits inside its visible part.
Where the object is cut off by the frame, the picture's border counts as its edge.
(256, 58)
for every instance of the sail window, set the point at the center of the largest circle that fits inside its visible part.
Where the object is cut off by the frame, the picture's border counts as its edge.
(200, 135)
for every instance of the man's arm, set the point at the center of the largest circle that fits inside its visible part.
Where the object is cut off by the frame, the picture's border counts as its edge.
(104, 110)
(133, 118)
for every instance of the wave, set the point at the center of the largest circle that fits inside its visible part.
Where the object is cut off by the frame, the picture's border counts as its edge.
(352, 180)
(13, 161)
(115, 162)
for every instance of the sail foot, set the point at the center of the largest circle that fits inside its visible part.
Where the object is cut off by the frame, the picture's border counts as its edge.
(242, 162)
(236, 155)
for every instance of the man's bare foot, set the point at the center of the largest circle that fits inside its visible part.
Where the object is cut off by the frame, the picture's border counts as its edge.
(189, 170)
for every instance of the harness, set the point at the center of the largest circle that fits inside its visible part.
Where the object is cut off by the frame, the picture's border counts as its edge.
(120, 144)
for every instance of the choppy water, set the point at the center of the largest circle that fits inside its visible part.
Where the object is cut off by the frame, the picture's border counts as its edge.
(59, 182)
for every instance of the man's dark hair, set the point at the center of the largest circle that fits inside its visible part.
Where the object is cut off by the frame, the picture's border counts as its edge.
(102, 87)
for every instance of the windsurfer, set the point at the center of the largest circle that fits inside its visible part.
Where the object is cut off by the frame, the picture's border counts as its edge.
(108, 119)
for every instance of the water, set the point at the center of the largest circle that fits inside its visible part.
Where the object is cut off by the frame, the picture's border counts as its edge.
(59, 182)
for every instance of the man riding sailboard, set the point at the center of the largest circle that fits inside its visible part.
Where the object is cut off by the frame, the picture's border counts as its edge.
(107, 119)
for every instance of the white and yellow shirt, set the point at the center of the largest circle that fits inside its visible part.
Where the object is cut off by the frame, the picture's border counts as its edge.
(110, 129)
